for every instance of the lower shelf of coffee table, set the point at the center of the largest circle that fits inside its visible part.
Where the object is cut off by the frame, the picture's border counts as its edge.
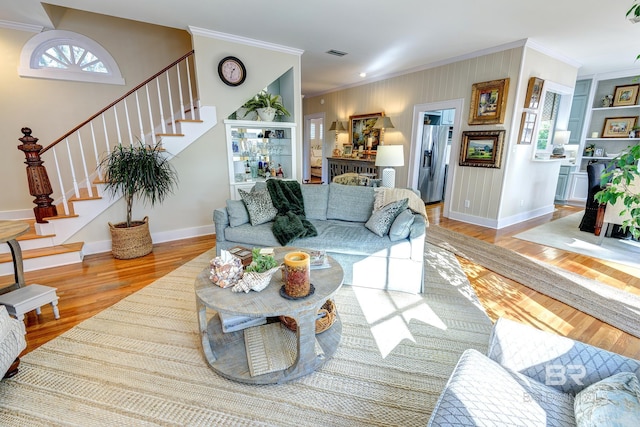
(231, 355)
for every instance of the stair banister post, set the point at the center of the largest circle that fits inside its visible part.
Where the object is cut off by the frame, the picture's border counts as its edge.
(39, 185)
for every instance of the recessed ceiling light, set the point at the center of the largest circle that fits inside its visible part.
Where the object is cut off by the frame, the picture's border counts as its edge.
(363, 74)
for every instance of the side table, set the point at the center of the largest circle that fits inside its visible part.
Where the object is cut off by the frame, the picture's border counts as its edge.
(226, 352)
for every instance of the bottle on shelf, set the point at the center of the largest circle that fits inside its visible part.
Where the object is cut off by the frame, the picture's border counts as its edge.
(280, 173)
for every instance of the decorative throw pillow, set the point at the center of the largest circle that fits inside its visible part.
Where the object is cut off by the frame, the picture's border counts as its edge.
(259, 205)
(237, 212)
(401, 226)
(380, 221)
(613, 401)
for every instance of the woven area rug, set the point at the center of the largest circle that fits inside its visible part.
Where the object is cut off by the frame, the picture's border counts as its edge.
(140, 362)
(613, 306)
(564, 234)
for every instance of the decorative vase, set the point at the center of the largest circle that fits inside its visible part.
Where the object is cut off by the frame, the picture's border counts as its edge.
(266, 114)
(297, 273)
(243, 113)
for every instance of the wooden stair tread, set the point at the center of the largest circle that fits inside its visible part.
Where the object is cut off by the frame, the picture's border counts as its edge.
(189, 121)
(41, 252)
(60, 216)
(84, 195)
(169, 134)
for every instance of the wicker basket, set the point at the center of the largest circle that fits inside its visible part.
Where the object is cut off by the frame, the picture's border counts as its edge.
(322, 324)
(131, 242)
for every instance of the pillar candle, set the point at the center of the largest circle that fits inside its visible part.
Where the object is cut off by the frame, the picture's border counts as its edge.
(297, 266)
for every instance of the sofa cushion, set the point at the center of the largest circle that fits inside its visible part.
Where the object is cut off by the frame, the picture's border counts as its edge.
(350, 202)
(259, 206)
(380, 221)
(401, 227)
(237, 212)
(481, 392)
(315, 199)
(614, 398)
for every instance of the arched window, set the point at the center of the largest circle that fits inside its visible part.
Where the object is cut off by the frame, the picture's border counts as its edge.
(65, 55)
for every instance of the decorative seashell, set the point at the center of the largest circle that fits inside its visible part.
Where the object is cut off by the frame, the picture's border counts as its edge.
(254, 281)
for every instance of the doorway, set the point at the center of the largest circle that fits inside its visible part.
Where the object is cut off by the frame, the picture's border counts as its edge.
(435, 141)
(314, 157)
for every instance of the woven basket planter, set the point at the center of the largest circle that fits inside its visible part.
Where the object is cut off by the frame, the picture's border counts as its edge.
(322, 324)
(130, 242)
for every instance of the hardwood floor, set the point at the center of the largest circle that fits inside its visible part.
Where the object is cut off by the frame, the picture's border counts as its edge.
(100, 281)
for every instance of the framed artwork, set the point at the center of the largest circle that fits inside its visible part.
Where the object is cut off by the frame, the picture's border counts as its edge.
(527, 126)
(279, 133)
(625, 95)
(488, 100)
(361, 130)
(347, 150)
(534, 93)
(598, 152)
(482, 148)
(618, 127)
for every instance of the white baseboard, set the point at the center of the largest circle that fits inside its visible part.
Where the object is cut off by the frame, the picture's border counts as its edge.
(502, 222)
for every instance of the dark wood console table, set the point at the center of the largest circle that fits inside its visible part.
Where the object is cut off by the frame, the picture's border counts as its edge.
(341, 165)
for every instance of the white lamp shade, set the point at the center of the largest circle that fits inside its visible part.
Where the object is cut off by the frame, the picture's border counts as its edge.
(390, 155)
(561, 137)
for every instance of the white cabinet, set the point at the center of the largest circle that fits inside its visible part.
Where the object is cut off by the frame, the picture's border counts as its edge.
(578, 188)
(255, 146)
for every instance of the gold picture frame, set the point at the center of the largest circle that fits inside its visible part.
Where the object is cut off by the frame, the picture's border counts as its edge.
(625, 95)
(618, 127)
(482, 148)
(534, 93)
(488, 101)
(527, 127)
(361, 129)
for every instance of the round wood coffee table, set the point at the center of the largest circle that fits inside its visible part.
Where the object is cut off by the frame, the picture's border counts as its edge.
(226, 352)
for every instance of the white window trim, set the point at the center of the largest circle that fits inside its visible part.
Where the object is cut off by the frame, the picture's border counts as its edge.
(32, 47)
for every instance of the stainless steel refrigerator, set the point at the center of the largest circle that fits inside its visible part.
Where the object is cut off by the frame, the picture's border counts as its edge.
(433, 166)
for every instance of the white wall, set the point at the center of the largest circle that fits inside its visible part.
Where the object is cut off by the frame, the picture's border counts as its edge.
(141, 50)
(483, 187)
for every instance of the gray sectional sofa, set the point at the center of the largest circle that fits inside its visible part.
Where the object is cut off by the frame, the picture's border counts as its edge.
(339, 214)
(534, 378)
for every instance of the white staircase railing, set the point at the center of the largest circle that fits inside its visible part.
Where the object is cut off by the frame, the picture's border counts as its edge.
(145, 113)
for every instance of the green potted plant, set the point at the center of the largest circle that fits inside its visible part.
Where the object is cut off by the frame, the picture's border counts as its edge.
(248, 110)
(136, 171)
(269, 106)
(616, 181)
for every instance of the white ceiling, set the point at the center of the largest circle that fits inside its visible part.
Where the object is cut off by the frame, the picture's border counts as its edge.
(390, 37)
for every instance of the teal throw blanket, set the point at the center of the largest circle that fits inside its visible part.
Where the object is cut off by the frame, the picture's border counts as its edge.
(291, 222)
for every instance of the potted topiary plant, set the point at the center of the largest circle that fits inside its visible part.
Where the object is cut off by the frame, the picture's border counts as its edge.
(616, 181)
(269, 106)
(142, 171)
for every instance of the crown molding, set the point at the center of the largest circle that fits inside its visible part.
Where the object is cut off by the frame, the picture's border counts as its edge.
(553, 54)
(21, 27)
(203, 32)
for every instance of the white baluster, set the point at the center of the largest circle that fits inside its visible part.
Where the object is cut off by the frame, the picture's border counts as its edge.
(106, 135)
(162, 122)
(115, 114)
(65, 203)
(173, 118)
(180, 92)
(153, 129)
(73, 172)
(126, 115)
(84, 166)
(140, 118)
(95, 152)
(193, 107)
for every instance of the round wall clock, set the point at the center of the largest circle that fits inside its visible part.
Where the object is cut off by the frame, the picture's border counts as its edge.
(232, 71)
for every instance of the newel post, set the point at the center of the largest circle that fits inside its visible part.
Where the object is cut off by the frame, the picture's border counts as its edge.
(39, 185)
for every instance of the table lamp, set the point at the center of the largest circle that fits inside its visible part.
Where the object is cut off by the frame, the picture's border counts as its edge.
(383, 123)
(389, 156)
(560, 138)
(338, 127)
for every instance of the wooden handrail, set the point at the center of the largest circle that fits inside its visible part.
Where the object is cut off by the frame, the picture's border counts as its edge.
(66, 135)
